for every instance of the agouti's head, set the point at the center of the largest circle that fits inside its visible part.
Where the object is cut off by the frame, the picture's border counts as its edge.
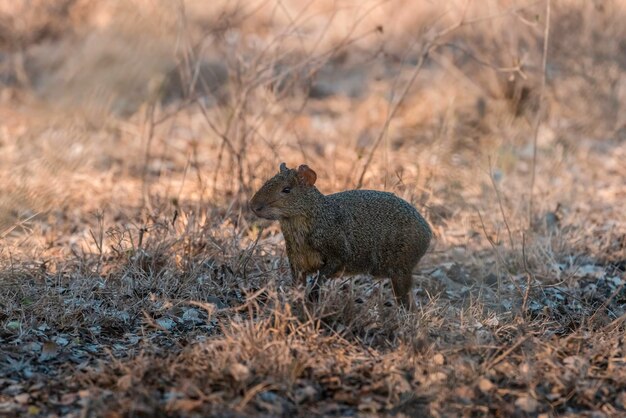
(286, 194)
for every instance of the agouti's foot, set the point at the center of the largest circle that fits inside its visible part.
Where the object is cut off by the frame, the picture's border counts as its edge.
(313, 289)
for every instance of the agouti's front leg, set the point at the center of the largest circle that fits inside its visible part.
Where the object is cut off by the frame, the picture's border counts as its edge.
(329, 269)
(297, 276)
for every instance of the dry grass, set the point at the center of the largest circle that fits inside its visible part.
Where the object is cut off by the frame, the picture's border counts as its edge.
(134, 281)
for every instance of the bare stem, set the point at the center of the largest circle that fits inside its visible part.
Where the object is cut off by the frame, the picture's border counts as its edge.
(537, 122)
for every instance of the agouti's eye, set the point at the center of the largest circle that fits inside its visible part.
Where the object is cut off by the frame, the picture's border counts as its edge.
(287, 190)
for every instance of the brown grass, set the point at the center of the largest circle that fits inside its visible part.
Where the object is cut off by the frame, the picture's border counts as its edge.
(134, 281)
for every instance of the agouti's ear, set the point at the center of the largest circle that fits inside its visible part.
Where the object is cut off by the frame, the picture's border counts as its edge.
(283, 167)
(306, 175)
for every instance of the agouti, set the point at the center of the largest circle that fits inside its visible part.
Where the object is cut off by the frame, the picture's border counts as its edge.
(353, 232)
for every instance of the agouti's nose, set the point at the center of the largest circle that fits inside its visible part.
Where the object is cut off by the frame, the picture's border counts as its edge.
(257, 208)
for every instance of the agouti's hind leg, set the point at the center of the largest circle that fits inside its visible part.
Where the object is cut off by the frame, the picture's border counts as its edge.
(402, 285)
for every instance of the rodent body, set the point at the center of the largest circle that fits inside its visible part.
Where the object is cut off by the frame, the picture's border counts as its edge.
(353, 232)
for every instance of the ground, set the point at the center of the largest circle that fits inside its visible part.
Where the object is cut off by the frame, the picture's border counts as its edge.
(135, 281)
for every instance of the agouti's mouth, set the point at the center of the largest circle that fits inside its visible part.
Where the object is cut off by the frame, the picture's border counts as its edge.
(265, 212)
(258, 210)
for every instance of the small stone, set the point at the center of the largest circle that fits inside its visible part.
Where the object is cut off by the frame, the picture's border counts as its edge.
(438, 359)
(217, 302)
(527, 404)
(437, 377)
(166, 323)
(192, 315)
(13, 325)
(62, 341)
(305, 394)
(239, 372)
(484, 337)
(485, 385)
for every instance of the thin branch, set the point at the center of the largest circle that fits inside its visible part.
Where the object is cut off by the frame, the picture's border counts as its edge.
(497, 253)
(426, 49)
(150, 119)
(16, 225)
(393, 110)
(606, 303)
(506, 223)
(505, 354)
(546, 35)
(430, 46)
(529, 276)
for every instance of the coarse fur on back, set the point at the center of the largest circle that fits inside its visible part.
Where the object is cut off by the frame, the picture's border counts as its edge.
(353, 232)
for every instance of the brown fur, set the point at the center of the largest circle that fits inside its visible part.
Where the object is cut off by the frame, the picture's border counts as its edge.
(356, 231)
(302, 257)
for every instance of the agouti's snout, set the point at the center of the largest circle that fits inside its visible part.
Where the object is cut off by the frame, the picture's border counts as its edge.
(257, 208)
(262, 208)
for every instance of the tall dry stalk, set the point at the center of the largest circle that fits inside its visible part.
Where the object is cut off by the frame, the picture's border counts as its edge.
(537, 121)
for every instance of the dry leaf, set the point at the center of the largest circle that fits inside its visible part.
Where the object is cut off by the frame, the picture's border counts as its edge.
(492, 322)
(524, 368)
(184, 405)
(437, 377)
(49, 351)
(464, 392)
(346, 397)
(69, 398)
(125, 382)
(438, 359)
(33, 410)
(575, 363)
